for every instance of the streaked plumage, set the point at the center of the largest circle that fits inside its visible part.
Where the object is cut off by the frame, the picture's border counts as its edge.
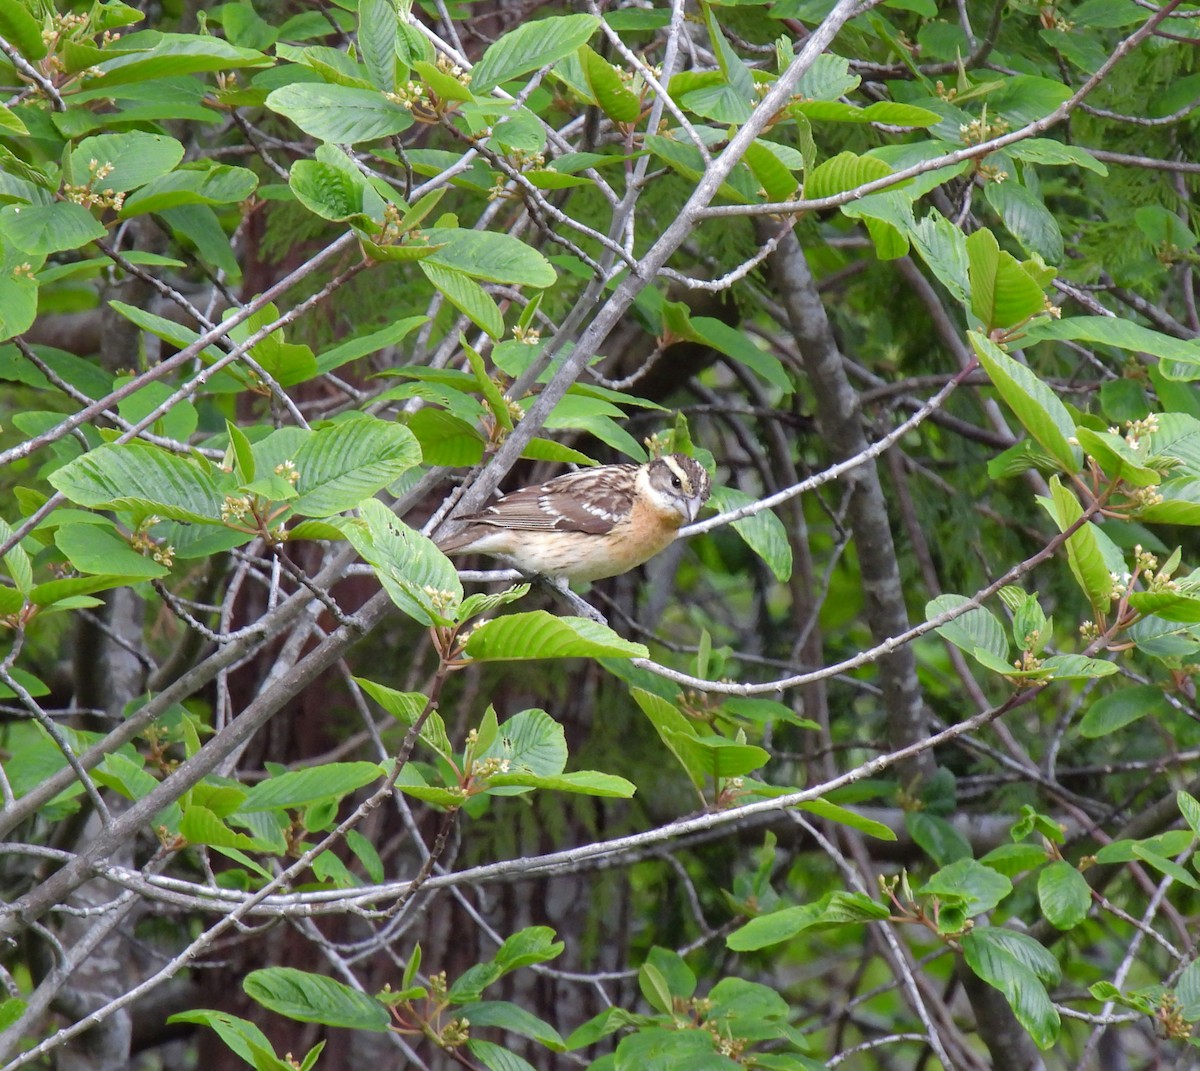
(589, 524)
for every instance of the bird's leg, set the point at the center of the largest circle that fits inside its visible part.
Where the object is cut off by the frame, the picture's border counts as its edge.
(581, 607)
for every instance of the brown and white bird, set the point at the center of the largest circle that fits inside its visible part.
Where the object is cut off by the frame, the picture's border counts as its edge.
(589, 524)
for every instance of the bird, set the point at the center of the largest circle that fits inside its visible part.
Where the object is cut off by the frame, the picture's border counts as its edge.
(590, 524)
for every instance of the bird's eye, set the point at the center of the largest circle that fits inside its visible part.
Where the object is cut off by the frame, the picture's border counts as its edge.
(676, 483)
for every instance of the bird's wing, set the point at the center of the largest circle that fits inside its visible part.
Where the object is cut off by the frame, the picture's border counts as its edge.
(590, 501)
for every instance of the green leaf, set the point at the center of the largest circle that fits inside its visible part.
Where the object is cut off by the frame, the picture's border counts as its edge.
(244, 465)
(739, 345)
(1020, 968)
(846, 817)
(548, 450)
(444, 85)
(126, 776)
(1187, 989)
(493, 256)
(135, 158)
(216, 185)
(1028, 220)
(710, 96)
(616, 101)
(333, 189)
(1055, 153)
(488, 391)
(714, 757)
(44, 229)
(671, 726)
(346, 115)
(663, 977)
(344, 463)
(288, 363)
(1164, 229)
(979, 886)
(16, 561)
(530, 46)
(582, 782)
(1085, 551)
(1121, 708)
(774, 928)
(359, 346)
(298, 788)
(595, 415)
(178, 422)
(1164, 865)
(446, 439)
(735, 71)
(1116, 458)
(99, 550)
(239, 1034)
(407, 707)
(412, 783)
(1033, 403)
(685, 158)
(890, 112)
(889, 219)
(1172, 842)
(1167, 605)
(1181, 358)
(1013, 859)
(773, 175)
(481, 603)
(828, 78)
(377, 42)
(1003, 293)
(1064, 895)
(943, 247)
(936, 837)
(977, 628)
(841, 907)
(725, 95)
(145, 479)
(417, 576)
(466, 295)
(313, 998)
(364, 851)
(1026, 98)
(516, 130)
(22, 30)
(538, 634)
(897, 114)
(200, 825)
(176, 334)
(198, 225)
(688, 1047)
(174, 54)
(505, 1016)
(551, 179)
(763, 531)
(1073, 667)
(35, 688)
(534, 944)
(844, 172)
(495, 1057)
(1189, 807)
(530, 741)
(18, 294)
(67, 594)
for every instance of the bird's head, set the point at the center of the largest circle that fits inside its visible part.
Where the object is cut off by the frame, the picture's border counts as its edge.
(677, 484)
